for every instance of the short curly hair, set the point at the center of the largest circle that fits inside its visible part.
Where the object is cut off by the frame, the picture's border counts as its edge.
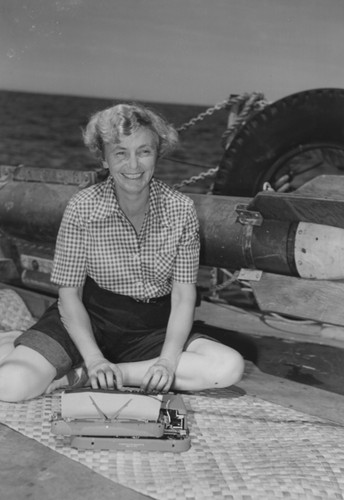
(109, 125)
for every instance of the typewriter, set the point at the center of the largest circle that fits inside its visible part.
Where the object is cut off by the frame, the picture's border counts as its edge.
(122, 420)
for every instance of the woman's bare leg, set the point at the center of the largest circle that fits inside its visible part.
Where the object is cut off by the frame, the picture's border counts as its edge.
(24, 374)
(7, 343)
(204, 365)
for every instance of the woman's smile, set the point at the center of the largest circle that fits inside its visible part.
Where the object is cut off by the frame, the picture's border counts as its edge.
(132, 161)
(132, 176)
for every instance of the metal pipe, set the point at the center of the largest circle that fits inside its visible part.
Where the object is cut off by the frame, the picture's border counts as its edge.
(226, 242)
(33, 211)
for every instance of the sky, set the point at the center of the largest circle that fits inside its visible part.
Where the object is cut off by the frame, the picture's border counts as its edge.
(179, 51)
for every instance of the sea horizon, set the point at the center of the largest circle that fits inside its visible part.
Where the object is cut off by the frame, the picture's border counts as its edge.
(115, 99)
(45, 130)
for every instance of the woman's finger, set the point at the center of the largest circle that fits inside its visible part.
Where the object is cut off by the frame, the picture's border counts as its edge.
(163, 384)
(150, 386)
(150, 380)
(109, 377)
(94, 381)
(145, 382)
(158, 381)
(101, 379)
(119, 378)
(168, 384)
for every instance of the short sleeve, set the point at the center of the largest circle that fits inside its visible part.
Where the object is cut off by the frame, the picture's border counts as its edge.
(69, 267)
(187, 260)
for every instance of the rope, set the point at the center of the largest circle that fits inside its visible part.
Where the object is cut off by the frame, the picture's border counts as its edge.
(249, 103)
(217, 287)
(252, 103)
(222, 286)
(314, 158)
(265, 317)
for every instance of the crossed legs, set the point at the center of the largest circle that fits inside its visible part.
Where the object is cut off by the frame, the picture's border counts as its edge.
(26, 374)
(204, 365)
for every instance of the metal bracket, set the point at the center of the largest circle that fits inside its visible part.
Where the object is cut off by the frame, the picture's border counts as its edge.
(34, 263)
(248, 217)
(249, 274)
(50, 175)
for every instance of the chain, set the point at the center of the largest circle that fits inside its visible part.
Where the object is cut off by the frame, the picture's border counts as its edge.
(227, 103)
(196, 178)
(250, 102)
(208, 112)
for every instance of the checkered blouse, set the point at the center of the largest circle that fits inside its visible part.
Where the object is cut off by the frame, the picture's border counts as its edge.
(96, 239)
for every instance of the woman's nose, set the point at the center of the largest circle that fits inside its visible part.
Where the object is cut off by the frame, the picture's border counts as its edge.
(133, 162)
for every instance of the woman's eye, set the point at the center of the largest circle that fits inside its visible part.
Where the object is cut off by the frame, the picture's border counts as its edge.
(119, 154)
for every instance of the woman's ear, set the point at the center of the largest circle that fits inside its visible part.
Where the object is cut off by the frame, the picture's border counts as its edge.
(105, 165)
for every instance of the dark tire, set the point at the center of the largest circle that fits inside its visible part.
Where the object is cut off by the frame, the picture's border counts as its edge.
(300, 136)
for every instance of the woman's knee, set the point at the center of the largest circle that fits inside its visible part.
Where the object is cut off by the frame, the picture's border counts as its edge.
(22, 379)
(12, 382)
(236, 367)
(228, 367)
(225, 366)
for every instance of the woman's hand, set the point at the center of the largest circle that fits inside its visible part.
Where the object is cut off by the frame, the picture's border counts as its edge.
(104, 375)
(159, 377)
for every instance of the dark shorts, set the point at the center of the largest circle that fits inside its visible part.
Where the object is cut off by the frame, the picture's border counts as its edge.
(125, 330)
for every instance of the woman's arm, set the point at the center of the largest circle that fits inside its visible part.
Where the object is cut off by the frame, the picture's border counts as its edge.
(77, 323)
(160, 375)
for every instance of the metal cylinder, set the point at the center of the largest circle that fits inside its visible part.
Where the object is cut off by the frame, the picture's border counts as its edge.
(226, 242)
(319, 251)
(33, 210)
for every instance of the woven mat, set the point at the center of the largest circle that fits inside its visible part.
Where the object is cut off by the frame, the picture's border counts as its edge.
(14, 314)
(242, 448)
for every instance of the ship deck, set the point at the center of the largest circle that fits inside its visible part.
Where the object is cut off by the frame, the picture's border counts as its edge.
(278, 433)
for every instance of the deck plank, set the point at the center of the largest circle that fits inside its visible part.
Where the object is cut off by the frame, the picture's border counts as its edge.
(289, 394)
(301, 298)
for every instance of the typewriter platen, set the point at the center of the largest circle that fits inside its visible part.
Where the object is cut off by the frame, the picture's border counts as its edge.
(116, 420)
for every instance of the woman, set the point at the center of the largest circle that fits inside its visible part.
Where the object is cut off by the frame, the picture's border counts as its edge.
(126, 264)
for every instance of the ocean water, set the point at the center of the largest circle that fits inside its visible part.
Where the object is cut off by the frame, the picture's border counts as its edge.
(44, 130)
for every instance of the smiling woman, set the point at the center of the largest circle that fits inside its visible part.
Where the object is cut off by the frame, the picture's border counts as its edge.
(128, 139)
(126, 263)
(131, 164)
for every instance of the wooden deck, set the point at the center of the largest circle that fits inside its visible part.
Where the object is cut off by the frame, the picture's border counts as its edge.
(26, 465)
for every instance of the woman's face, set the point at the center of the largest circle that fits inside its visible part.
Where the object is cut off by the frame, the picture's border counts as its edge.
(132, 161)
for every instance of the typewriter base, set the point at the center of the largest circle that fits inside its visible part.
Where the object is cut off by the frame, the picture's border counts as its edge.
(169, 444)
